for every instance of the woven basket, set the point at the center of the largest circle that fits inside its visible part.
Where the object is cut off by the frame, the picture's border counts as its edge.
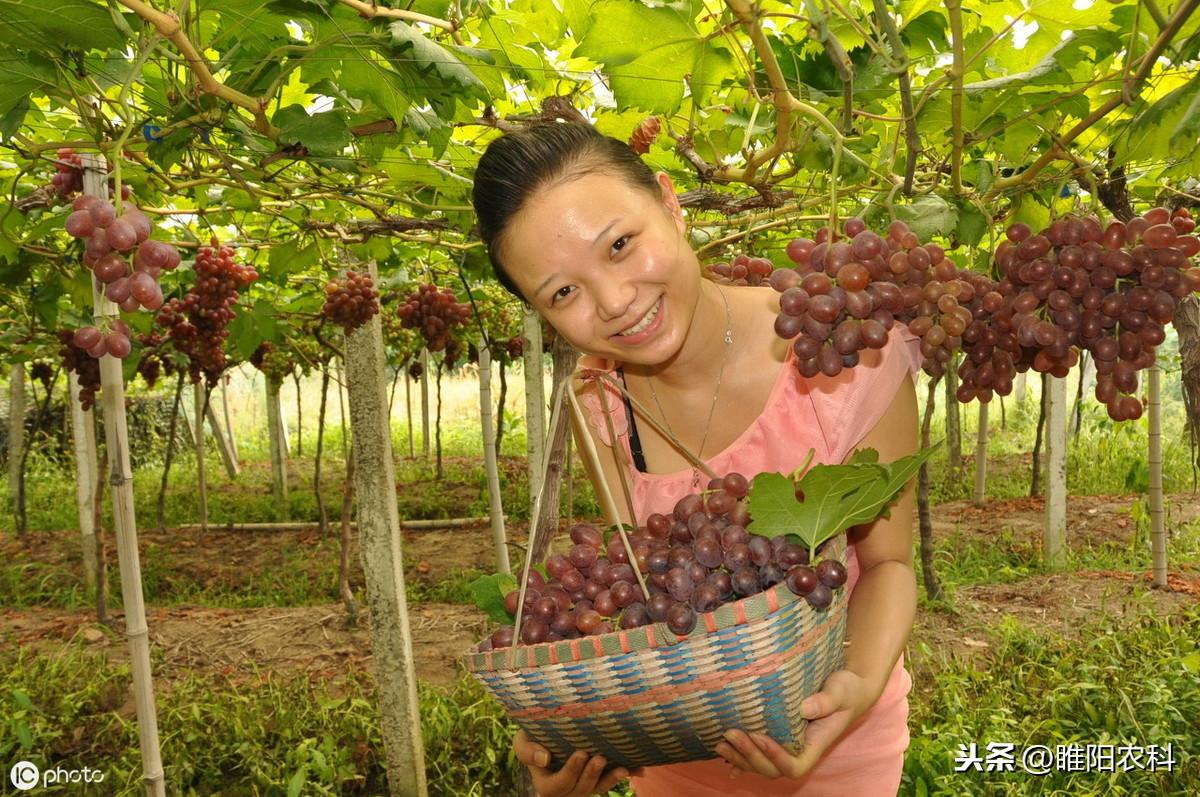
(647, 696)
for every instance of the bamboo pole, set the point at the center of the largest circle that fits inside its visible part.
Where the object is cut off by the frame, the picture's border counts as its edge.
(1158, 536)
(116, 437)
(16, 432)
(535, 401)
(408, 412)
(224, 446)
(953, 418)
(425, 404)
(382, 561)
(83, 434)
(198, 432)
(279, 481)
(228, 423)
(1055, 539)
(981, 446)
(407, 525)
(489, 458)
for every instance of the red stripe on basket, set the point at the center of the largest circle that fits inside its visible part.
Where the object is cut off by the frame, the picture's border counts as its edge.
(596, 646)
(772, 600)
(624, 637)
(554, 654)
(650, 636)
(739, 612)
(707, 683)
(575, 649)
(710, 622)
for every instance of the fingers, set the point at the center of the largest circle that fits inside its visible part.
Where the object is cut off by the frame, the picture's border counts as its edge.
(745, 754)
(831, 698)
(529, 752)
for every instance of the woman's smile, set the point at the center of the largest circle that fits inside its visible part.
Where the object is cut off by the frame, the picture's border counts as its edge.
(649, 324)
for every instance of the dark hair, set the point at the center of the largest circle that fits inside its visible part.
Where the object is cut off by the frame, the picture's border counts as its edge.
(518, 164)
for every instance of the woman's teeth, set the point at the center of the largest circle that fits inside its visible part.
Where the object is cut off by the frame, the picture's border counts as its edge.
(646, 321)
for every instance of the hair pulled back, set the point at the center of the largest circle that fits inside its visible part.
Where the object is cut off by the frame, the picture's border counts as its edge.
(518, 164)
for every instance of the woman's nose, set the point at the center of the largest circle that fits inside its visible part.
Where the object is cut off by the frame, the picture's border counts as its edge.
(613, 297)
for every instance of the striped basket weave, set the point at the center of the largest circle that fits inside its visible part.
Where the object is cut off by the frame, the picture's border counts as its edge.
(646, 696)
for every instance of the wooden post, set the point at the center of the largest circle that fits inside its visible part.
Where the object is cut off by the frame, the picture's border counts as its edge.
(198, 433)
(383, 566)
(489, 458)
(116, 437)
(1158, 536)
(535, 401)
(425, 404)
(953, 422)
(224, 444)
(228, 423)
(565, 357)
(16, 430)
(1055, 539)
(1019, 387)
(83, 433)
(981, 441)
(279, 481)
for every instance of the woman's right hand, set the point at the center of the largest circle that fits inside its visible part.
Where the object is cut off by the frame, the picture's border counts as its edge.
(580, 776)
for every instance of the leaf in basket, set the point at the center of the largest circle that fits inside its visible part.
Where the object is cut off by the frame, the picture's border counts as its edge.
(836, 497)
(489, 592)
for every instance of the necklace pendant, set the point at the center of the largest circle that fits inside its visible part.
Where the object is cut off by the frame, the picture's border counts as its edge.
(728, 337)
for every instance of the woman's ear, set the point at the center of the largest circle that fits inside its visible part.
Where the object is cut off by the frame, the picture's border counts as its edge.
(671, 201)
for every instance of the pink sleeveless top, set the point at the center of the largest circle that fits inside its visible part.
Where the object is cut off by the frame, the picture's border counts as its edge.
(831, 415)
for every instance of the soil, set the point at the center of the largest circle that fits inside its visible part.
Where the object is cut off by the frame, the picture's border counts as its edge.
(314, 642)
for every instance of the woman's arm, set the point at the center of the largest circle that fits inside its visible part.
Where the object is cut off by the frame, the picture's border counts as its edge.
(880, 615)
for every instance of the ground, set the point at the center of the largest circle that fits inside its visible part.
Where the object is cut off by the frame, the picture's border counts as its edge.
(314, 641)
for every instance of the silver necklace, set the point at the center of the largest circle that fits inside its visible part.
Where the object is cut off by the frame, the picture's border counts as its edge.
(728, 340)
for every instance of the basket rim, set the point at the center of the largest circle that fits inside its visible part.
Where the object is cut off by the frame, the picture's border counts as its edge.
(745, 611)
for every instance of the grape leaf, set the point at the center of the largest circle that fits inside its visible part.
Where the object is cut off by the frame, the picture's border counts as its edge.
(836, 497)
(489, 592)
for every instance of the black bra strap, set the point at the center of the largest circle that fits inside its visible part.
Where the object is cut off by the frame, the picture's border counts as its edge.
(635, 444)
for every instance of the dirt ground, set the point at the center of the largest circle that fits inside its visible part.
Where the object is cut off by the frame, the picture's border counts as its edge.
(313, 641)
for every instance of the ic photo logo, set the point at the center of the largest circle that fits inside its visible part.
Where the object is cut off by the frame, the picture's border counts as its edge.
(24, 775)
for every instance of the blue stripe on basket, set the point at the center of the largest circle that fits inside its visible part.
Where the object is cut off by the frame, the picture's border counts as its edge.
(775, 708)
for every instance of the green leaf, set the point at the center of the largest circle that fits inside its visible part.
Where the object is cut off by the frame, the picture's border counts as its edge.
(321, 133)
(21, 76)
(489, 592)
(928, 216)
(24, 735)
(22, 700)
(972, 224)
(836, 497)
(296, 784)
(38, 25)
(425, 62)
(1191, 662)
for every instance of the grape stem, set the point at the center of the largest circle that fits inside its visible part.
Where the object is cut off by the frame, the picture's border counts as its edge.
(799, 472)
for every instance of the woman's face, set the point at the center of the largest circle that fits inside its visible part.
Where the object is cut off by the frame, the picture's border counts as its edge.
(607, 263)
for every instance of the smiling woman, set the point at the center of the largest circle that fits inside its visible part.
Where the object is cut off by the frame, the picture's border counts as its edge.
(581, 229)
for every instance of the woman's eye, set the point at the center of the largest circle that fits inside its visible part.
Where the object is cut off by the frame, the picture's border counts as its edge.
(619, 244)
(562, 293)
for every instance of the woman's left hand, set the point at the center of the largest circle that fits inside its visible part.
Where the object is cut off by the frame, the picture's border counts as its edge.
(845, 697)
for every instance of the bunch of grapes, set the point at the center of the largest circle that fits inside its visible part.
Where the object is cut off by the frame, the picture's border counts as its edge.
(68, 173)
(514, 347)
(644, 134)
(197, 323)
(434, 313)
(83, 364)
(118, 250)
(1110, 290)
(845, 294)
(350, 301)
(743, 270)
(41, 371)
(694, 560)
(113, 339)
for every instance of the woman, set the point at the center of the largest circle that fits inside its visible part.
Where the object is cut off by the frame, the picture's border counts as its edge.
(584, 232)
